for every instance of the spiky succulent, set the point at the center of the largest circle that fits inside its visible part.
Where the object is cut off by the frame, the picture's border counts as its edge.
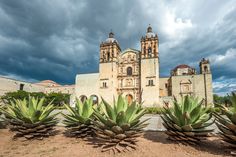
(1, 119)
(78, 120)
(117, 127)
(187, 121)
(227, 121)
(29, 118)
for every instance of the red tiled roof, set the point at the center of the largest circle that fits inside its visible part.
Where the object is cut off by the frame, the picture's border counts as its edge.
(44, 82)
(47, 81)
(181, 66)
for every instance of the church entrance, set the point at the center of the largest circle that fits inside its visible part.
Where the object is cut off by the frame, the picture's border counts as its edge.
(129, 98)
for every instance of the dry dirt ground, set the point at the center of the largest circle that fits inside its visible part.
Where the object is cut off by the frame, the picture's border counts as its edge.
(152, 144)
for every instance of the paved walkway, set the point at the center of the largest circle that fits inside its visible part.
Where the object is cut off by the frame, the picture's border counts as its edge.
(155, 122)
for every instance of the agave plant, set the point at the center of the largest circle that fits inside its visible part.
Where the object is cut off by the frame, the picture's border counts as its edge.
(78, 121)
(187, 121)
(227, 121)
(1, 119)
(117, 127)
(30, 119)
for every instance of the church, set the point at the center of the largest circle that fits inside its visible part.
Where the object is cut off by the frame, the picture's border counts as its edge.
(135, 75)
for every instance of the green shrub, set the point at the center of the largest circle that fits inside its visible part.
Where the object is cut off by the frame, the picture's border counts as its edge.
(154, 110)
(58, 98)
(214, 109)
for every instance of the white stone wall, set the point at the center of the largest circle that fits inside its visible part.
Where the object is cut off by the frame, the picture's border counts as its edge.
(163, 88)
(60, 89)
(108, 73)
(198, 86)
(150, 71)
(11, 85)
(87, 85)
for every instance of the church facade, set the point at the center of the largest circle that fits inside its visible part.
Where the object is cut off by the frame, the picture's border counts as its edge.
(135, 74)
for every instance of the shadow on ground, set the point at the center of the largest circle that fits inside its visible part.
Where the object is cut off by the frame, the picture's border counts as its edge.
(213, 145)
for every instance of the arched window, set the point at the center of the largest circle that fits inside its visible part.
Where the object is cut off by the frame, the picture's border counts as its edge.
(103, 56)
(95, 99)
(205, 69)
(108, 56)
(129, 98)
(149, 52)
(83, 98)
(129, 71)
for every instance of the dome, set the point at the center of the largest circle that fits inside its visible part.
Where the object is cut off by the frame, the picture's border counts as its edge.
(149, 33)
(183, 69)
(181, 66)
(110, 38)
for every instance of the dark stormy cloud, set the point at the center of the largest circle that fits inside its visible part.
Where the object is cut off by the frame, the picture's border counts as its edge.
(57, 39)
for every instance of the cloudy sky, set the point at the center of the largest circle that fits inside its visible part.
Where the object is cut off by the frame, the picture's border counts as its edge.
(56, 39)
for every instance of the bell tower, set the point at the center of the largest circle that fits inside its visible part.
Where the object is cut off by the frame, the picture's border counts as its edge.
(204, 66)
(108, 67)
(149, 63)
(109, 50)
(149, 44)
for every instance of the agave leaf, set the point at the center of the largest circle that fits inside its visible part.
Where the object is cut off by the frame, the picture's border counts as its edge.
(100, 117)
(187, 128)
(138, 115)
(130, 112)
(99, 124)
(224, 129)
(201, 125)
(140, 123)
(227, 123)
(169, 125)
(171, 116)
(187, 105)
(186, 118)
(117, 129)
(120, 104)
(79, 107)
(120, 119)
(168, 118)
(86, 109)
(178, 113)
(220, 118)
(70, 109)
(72, 119)
(233, 101)
(195, 113)
(125, 126)
(110, 122)
(233, 118)
(109, 110)
(45, 113)
(40, 104)
(50, 118)
(32, 106)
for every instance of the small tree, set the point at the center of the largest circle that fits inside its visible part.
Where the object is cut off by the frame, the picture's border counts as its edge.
(59, 99)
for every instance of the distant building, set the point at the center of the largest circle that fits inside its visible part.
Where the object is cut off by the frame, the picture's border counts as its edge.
(135, 74)
(53, 87)
(46, 86)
